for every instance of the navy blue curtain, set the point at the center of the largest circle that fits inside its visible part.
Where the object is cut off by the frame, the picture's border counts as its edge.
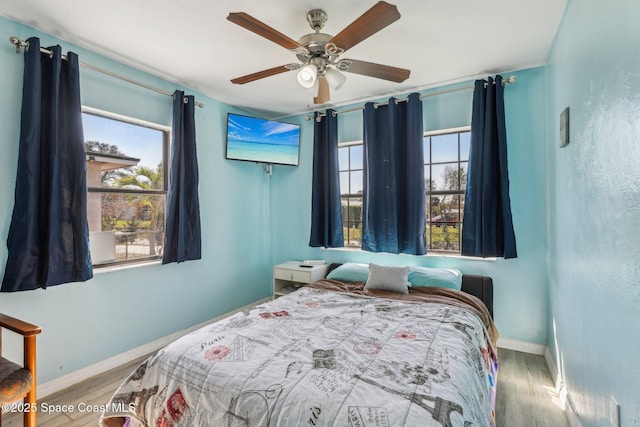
(487, 229)
(326, 210)
(394, 193)
(48, 242)
(182, 237)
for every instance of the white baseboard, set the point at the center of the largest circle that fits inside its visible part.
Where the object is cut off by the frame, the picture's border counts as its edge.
(80, 375)
(523, 346)
(561, 389)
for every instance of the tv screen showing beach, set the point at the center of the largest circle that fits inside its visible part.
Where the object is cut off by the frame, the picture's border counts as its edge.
(262, 141)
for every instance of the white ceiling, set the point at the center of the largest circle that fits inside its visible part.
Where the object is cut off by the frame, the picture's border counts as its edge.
(190, 42)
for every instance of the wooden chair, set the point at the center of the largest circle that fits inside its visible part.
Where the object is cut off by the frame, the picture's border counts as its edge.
(17, 382)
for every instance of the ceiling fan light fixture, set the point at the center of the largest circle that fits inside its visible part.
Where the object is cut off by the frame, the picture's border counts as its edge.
(307, 75)
(313, 90)
(335, 78)
(320, 67)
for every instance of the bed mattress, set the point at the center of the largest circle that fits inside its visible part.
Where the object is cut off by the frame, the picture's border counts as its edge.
(329, 354)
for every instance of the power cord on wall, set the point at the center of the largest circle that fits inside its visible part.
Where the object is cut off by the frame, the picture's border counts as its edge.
(267, 208)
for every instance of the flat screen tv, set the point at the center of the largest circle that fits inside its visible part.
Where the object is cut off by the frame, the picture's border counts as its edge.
(262, 141)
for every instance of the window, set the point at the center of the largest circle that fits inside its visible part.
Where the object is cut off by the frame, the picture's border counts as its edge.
(127, 186)
(446, 156)
(350, 164)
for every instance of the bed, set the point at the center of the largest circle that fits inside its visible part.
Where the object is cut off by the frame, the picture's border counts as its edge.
(333, 353)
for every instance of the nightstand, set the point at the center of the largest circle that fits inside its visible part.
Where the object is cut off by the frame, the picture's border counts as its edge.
(287, 275)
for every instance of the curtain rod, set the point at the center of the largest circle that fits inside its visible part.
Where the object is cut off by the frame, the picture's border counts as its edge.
(508, 80)
(23, 44)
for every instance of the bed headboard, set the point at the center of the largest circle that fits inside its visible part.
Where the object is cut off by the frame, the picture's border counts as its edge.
(481, 287)
(478, 286)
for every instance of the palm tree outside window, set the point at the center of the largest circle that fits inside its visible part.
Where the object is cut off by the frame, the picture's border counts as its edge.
(127, 186)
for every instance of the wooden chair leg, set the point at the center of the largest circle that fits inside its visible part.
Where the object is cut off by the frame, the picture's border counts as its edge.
(30, 416)
(30, 364)
(29, 332)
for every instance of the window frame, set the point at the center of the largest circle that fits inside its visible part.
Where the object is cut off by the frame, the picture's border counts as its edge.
(428, 193)
(166, 147)
(349, 196)
(460, 192)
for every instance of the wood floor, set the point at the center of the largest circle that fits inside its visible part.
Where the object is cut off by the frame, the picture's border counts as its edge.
(526, 393)
(526, 396)
(93, 391)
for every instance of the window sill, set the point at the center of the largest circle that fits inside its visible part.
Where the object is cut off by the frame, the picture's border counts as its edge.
(112, 268)
(436, 254)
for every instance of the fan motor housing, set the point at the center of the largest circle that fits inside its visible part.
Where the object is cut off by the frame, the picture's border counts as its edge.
(315, 43)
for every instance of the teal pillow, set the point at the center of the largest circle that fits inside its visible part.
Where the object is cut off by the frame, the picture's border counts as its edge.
(439, 277)
(350, 272)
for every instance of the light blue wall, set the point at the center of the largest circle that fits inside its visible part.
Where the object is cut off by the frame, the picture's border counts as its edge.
(520, 284)
(114, 312)
(594, 208)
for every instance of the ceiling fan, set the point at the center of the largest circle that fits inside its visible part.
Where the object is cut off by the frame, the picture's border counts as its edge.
(319, 53)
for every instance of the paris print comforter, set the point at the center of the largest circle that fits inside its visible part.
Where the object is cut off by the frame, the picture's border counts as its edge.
(329, 354)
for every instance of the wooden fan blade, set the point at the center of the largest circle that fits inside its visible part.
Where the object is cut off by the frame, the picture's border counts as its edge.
(379, 71)
(260, 75)
(369, 23)
(260, 28)
(323, 91)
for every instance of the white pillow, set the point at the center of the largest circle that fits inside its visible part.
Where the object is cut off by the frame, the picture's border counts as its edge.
(394, 279)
